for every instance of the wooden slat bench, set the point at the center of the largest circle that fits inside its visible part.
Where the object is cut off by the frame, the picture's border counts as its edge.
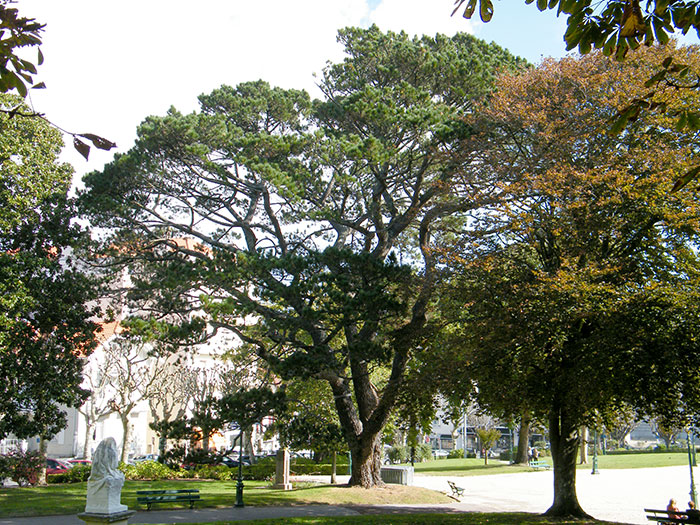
(456, 491)
(538, 464)
(149, 497)
(664, 516)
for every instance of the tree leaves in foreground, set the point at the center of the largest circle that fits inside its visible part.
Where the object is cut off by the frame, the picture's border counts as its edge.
(45, 331)
(579, 297)
(613, 26)
(309, 225)
(16, 73)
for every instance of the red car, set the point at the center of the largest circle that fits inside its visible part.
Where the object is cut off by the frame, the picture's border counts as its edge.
(74, 462)
(56, 466)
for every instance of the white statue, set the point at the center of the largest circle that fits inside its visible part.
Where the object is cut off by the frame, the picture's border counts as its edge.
(104, 486)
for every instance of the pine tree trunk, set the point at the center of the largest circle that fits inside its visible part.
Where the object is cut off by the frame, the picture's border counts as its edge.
(564, 442)
(162, 444)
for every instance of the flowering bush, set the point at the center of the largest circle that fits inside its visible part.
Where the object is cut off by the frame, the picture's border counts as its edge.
(22, 467)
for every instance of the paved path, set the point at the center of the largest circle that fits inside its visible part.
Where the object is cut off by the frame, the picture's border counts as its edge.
(614, 495)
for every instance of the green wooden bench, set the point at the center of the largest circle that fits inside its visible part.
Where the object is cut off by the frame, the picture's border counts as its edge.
(538, 464)
(456, 491)
(664, 516)
(149, 497)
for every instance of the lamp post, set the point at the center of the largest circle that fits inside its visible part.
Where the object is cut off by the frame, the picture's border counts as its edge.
(693, 493)
(239, 485)
(595, 453)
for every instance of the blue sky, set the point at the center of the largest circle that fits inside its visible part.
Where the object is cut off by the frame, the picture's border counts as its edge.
(111, 64)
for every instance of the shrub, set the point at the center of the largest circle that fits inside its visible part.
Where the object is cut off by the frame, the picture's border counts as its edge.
(219, 472)
(149, 470)
(22, 467)
(77, 474)
(457, 453)
(423, 452)
(398, 454)
(505, 456)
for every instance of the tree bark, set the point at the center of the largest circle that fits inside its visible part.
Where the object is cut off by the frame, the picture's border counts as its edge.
(333, 466)
(127, 437)
(43, 446)
(87, 447)
(521, 456)
(564, 444)
(584, 446)
(366, 463)
(162, 444)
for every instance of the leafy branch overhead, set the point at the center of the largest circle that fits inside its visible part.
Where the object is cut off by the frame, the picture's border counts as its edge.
(614, 26)
(17, 32)
(16, 73)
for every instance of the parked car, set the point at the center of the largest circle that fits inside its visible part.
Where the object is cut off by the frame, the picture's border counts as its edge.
(81, 461)
(233, 462)
(146, 457)
(440, 454)
(57, 466)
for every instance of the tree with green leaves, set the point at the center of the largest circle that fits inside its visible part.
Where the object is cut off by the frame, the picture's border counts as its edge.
(578, 297)
(312, 222)
(311, 422)
(247, 407)
(45, 327)
(487, 439)
(615, 27)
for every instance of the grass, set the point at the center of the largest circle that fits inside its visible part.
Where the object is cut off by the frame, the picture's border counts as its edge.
(70, 498)
(475, 467)
(470, 518)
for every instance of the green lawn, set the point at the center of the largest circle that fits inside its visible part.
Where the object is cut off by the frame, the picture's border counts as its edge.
(70, 498)
(475, 467)
(471, 518)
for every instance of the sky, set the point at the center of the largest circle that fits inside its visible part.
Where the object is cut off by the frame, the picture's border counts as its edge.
(110, 64)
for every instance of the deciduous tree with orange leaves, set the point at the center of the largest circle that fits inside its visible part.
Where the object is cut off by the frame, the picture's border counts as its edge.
(578, 295)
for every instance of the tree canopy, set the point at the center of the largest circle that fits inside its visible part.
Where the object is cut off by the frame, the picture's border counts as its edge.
(45, 330)
(311, 222)
(577, 296)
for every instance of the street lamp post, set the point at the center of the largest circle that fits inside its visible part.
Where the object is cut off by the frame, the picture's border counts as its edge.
(239, 485)
(693, 493)
(595, 453)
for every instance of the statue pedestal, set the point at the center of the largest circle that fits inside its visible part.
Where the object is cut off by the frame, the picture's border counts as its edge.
(118, 518)
(282, 471)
